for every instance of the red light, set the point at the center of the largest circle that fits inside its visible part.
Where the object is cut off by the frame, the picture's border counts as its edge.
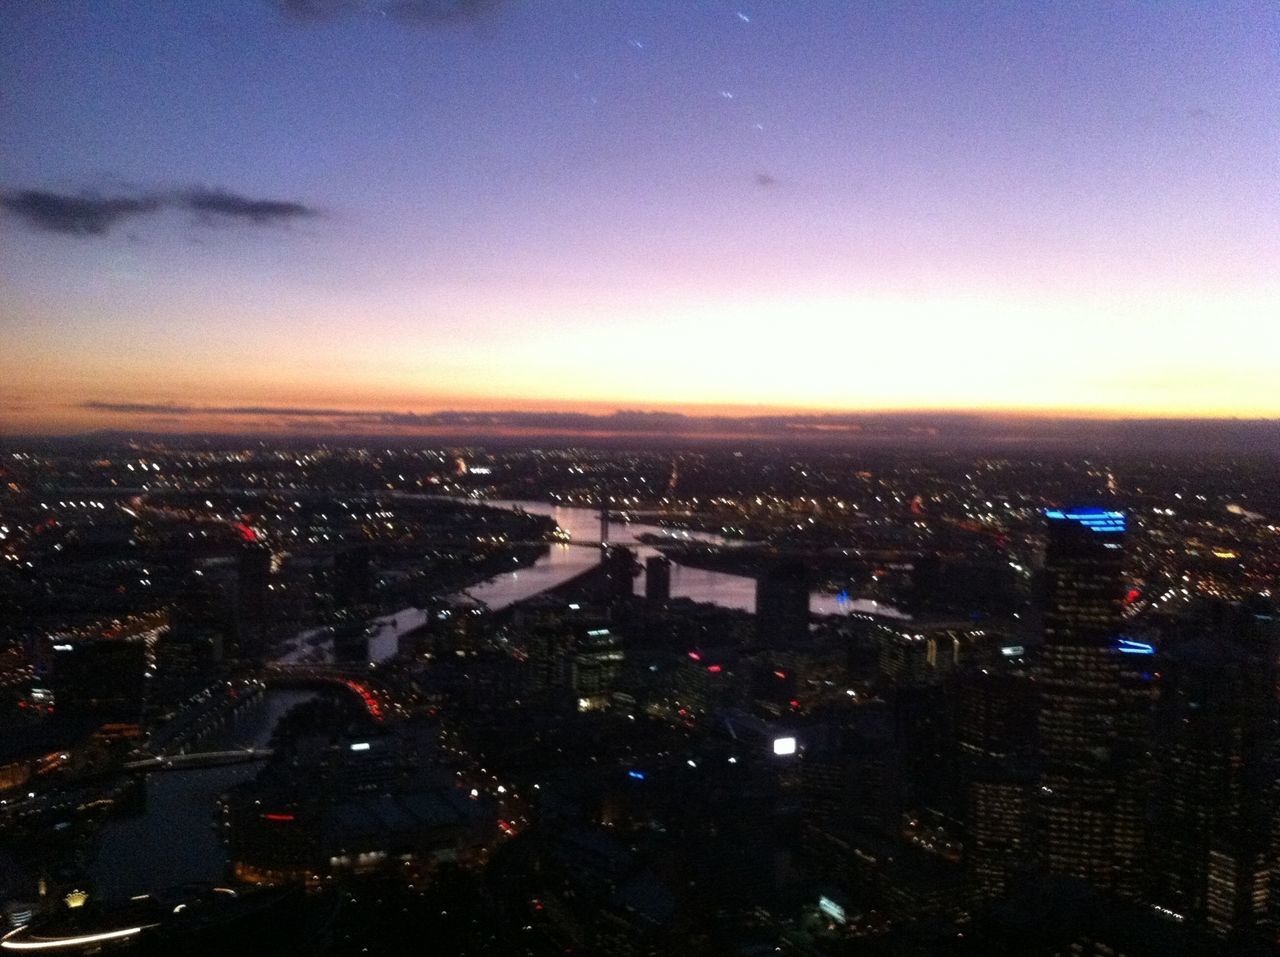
(246, 533)
(795, 703)
(714, 669)
(781, 674)
(278, 817)
(22, 704)
(695, 656)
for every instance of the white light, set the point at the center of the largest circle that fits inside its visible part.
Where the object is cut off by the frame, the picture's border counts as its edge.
(831, 909)
(65, 943)
(784, 746)
(360, 746)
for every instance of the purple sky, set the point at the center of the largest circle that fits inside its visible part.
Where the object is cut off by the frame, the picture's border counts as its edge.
(577, 205)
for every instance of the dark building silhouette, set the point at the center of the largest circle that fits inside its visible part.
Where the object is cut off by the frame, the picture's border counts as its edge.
(253, 578)
(352, 577)
(657, 578)
(187, 659)
(619, 572)
(99, 678)
(782, 605)
(1091, 788)
(1214, 717)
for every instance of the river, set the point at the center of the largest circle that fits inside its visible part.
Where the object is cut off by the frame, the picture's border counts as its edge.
(172, 842)
(699, 584)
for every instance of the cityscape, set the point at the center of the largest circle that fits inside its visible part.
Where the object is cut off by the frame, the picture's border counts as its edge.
(639, 477)
(597, 701)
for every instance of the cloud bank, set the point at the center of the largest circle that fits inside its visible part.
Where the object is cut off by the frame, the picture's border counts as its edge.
(88, 214)
(930, 430)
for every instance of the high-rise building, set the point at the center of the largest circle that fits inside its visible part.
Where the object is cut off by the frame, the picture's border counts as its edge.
(657, 578)
(595, 665)
(994, 721)
(101, 678)
(1211, 818)
(1090, 814)
(620, 568)
(782, 605)
(352, 577)
(253, 578)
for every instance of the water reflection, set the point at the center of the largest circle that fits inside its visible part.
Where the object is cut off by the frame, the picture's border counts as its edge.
(172, 841)
(699, 584)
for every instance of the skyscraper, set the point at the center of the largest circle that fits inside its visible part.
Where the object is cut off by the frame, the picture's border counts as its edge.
(1215, 714)
(1089, 812)
(782, 605)
(657, 578)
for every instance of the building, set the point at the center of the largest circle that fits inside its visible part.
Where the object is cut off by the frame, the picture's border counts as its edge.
(595, 666)
(657, 578)
(1214, 717)
(782, 605)
(1091, 783)
(619, 566)
(253, 580)
(353, 578)
(99, 678)
(921, 654)
(994, 726)
(187, 659)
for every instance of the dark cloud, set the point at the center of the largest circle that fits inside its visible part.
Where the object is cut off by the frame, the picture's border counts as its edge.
(414, 12)
(220, 203)
(428, 12)
(766, 180)
(318, 9)
(83, 215)
(884, 429)
(87, 214)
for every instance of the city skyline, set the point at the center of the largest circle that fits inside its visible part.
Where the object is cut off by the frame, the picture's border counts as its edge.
(721, 209)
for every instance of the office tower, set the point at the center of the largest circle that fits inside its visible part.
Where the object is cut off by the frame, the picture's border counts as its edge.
(99, 678)
(253, 577)
(548, 636)
(187, 660)
(917, 654)
(1089, 810)
(1214, 717)
(657, 578)
(782, 605)
(352, 577)
(619, 572)
(995, 740)
(595, 665)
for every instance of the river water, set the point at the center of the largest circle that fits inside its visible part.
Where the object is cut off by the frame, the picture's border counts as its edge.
(699, 584)
(172, 842)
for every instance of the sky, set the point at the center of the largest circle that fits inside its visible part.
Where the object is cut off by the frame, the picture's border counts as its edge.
(213, 213)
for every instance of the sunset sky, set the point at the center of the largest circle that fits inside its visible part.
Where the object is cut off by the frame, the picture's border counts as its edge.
(583, 206)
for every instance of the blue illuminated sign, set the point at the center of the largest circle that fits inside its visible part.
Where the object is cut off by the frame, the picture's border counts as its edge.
(638, 775)
(1127, 646)
(1094, 519)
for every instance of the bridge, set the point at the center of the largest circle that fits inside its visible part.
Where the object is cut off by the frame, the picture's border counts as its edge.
(198, 759)
(354, 678)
